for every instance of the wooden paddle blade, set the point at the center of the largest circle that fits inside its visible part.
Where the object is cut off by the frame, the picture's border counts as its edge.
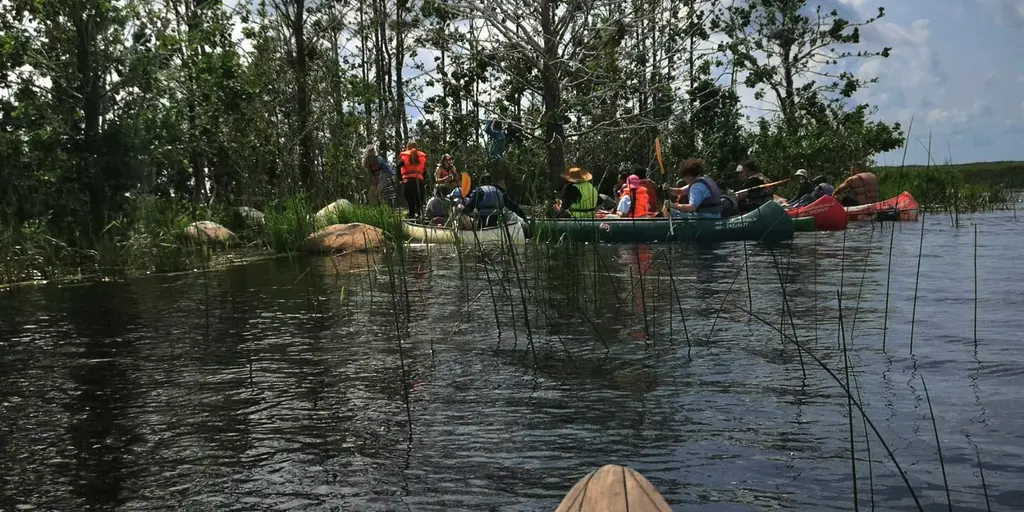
(657, 153)
(467, 183)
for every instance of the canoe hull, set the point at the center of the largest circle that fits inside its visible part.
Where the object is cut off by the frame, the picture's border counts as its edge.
(825, 214)
(424, 234)
(768, 223)
(902, 207)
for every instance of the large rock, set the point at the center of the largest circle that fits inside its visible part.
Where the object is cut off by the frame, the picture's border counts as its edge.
(328, 213)
(209, 232)
(342, 238)
(613, 488)
(245, 217)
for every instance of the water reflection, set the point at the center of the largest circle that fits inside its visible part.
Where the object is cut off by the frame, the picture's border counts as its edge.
(277, 385)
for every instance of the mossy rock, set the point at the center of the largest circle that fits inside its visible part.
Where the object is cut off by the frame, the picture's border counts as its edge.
(209, 232)
(329, 213)
(344, 238)
(244, 217)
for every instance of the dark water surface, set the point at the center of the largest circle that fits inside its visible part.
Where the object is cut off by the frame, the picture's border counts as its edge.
(278, 385)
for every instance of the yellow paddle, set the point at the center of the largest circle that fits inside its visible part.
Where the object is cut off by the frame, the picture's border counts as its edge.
(657, 153)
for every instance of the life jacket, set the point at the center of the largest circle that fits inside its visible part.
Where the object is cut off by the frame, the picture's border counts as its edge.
(490, 201)
(652, 195)
(864, 186)
(411, 171)
(712, 203)
(587, 204)
(640, 206)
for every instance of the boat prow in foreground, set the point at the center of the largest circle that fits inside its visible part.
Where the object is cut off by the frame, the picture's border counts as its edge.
(428, 234)
(768, 223)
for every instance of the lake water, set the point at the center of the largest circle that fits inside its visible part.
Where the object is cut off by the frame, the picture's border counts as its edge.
(278, 385)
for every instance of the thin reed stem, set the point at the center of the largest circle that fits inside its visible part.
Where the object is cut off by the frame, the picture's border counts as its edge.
(849, 405)
(938, 444)
(888, 281)
(984, 486)
(975, 286)
(917, 282)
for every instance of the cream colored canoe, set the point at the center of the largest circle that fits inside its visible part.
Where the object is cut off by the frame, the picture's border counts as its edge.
(426, 234)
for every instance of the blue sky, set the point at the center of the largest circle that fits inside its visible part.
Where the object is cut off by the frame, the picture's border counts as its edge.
(957, 68)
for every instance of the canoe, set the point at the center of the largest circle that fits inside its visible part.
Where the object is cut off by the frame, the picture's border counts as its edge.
(427, 234)
(768, 223)
(613, 488)
(825, 214)
(901, 207)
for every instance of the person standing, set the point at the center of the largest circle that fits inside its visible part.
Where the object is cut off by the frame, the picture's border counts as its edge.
(446, 177)
(497, 144)
(382, 178)
(413, 165)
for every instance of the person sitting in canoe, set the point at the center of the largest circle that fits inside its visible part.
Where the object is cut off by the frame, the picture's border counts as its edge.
(821, 188)
(579, 197)
(634, 200)
(490, 202)
(860, 188)
(446, 177)
(804, 185)
(750, 177)
(705, 197)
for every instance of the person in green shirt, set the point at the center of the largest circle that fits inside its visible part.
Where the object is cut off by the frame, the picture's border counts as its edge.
(579, 197)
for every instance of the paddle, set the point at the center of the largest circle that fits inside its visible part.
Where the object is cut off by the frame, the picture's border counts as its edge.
(657, 153)
(466, 184)
(765, 185)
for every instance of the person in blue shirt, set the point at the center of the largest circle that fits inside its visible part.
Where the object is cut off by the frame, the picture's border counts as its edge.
(382, 178)
(489, 203)
(497, 144)
(705, 198)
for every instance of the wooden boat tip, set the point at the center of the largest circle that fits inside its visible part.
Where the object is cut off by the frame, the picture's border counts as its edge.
(613, 488)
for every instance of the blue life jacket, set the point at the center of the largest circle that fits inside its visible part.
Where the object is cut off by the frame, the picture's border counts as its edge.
(489, 201)
(712, 203)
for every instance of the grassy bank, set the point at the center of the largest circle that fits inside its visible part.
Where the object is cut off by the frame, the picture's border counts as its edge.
(970, 187)
(151, 238)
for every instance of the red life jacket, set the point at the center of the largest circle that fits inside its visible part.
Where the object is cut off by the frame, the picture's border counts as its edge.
(411, 171)
(641, 205)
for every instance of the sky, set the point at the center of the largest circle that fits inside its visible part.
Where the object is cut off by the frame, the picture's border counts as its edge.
(957, 69)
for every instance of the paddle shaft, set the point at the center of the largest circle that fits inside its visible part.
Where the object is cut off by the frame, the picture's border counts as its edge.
(766, 185)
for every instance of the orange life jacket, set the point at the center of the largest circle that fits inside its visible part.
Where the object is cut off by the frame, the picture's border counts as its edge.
(641, 206)
(411, 171)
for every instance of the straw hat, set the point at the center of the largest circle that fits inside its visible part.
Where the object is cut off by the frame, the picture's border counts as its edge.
(802, 172)
(577, 175)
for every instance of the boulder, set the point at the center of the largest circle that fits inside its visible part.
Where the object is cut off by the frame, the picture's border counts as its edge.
(342, 238)
(244, 217)
(205, 231)
(327, 214)
(613, 488)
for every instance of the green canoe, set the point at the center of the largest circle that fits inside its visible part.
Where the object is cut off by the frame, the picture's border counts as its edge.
(804, 224)
(768, 223)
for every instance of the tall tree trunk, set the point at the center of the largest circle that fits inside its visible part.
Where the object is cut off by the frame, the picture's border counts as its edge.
(554, 130)
(401, 133)
(196, 160)
(364, 45)
(91, 91)
(302, 99)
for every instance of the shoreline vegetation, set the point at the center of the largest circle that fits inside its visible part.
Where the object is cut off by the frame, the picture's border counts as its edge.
(152, 237)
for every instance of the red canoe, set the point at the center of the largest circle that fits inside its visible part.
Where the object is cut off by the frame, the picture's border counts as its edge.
(828, 214)
(901, 207)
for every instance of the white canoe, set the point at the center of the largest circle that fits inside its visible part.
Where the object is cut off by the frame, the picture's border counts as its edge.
(426, 234)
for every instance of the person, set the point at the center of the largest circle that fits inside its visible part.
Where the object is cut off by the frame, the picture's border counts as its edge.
(820, 188)
(446, 177)
(412, 165)
(579, 197)
(750, 176)
(705, 197)
(382, 178)
(489, 202)
(497, 144)
(634, 200)
(860, 188)
(805, 186)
